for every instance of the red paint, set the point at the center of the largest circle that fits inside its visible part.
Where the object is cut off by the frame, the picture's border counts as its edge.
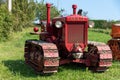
(78, 25)
(36, 29)
(86, 34)
(48, 15)
(81, 33)
(103, 63)
(79, 61)
(76, 18)
(105, 56)
(74, 8)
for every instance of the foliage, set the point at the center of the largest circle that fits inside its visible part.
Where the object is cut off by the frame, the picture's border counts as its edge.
(23, 13)
(117, 21)
(5, 23)
(104, 24)
(41, 11)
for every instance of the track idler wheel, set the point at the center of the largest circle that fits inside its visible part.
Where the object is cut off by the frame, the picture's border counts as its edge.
(100, 57)
(41, 56)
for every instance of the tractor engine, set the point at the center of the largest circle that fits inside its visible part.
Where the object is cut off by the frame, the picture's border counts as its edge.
(63, 40)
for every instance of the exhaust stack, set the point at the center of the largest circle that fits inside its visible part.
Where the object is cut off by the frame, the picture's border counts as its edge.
(48, 5)
(74, 8)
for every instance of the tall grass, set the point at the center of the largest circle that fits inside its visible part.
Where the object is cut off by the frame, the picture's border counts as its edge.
(12, 66)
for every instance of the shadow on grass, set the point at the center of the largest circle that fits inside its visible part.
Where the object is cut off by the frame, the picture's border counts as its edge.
(72, 66)
(18, 67)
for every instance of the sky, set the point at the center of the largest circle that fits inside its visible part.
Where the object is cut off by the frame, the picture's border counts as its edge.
(97, 9)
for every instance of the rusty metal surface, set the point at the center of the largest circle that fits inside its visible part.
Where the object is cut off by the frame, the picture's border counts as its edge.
(100, 56)
(115, 33)
(114, 43)
(43, 57)
(115, 47)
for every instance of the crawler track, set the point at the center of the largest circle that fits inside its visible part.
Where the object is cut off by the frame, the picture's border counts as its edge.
(100, 56)
(42, 56)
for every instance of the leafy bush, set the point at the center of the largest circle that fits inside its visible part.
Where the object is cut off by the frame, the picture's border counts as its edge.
(5, 23)
(23, 14)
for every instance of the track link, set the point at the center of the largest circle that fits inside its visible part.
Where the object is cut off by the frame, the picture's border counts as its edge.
(100, 56)
(41, 56)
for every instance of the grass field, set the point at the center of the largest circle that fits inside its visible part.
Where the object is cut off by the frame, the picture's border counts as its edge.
(12, 66)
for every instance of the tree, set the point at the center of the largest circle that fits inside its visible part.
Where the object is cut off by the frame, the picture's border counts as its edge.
(24, 13)
(41, 11)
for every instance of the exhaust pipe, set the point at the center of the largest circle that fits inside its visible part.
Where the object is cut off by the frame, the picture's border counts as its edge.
(74, 9)
(48, 5)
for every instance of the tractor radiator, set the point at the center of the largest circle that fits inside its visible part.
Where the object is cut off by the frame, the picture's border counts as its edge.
(75, 33)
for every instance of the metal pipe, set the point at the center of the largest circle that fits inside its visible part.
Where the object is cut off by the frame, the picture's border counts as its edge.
(74, 8)
(48, 5)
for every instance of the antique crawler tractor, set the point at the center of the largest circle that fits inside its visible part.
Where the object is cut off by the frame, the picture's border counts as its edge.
(63, 40)
(114, 43)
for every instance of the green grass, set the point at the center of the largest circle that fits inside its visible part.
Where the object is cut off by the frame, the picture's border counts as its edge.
(12, 66)
(98, 36)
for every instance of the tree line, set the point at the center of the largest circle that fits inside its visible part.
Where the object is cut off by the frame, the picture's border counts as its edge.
(104, 24)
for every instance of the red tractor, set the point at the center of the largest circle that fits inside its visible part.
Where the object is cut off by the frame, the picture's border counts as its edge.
(64, 40)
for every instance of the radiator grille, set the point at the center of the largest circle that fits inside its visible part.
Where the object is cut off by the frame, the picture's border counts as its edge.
(75, 33)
